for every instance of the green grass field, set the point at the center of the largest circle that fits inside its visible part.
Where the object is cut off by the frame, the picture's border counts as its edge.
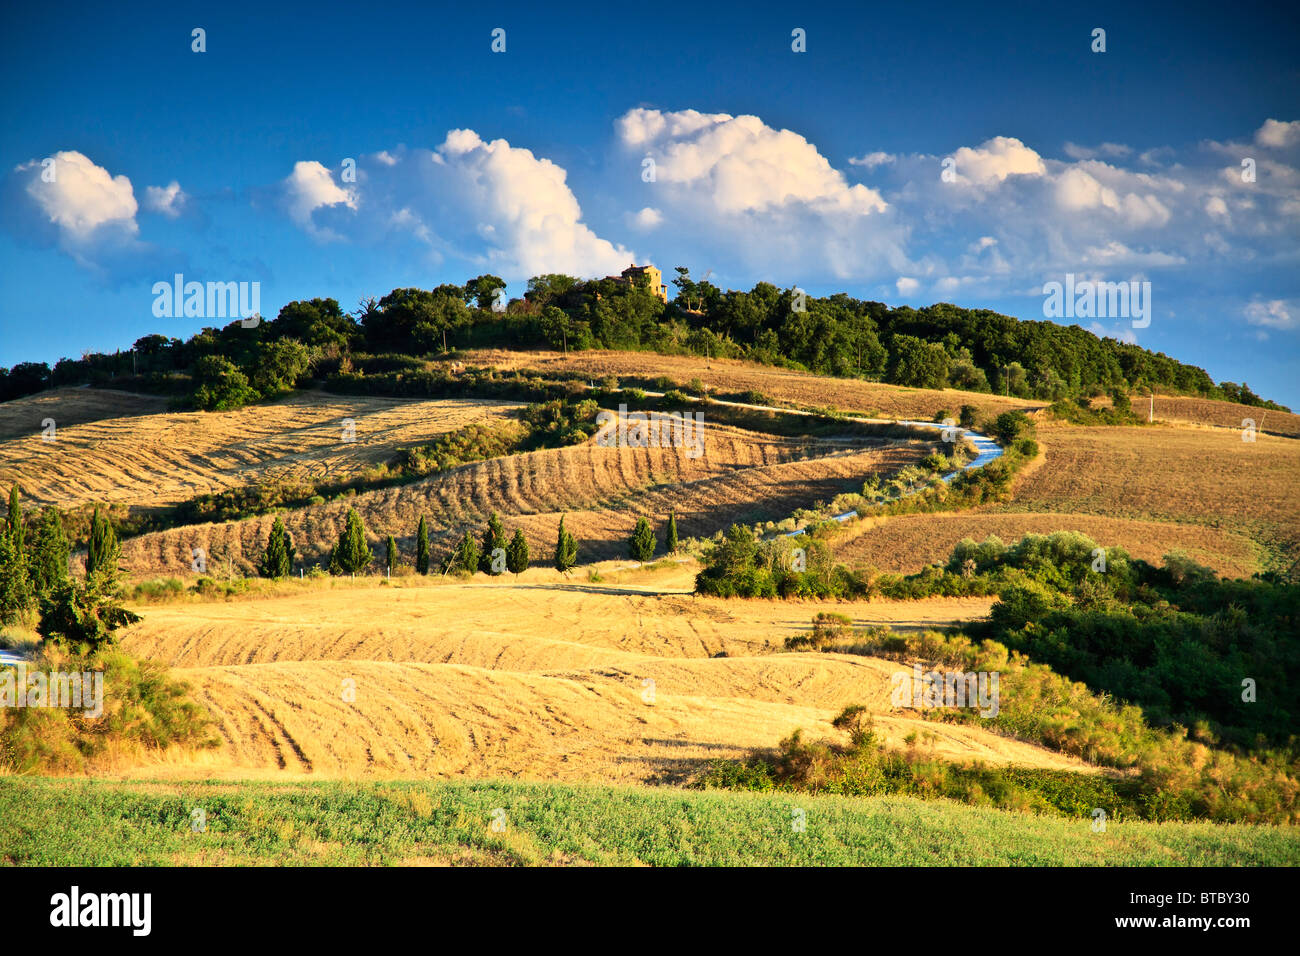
(86, 822)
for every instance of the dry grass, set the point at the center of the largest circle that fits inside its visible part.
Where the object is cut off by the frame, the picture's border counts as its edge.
(155, 459)
(22, 417)
(741, 476)
(544, 622)
(910, 542)
(545, 680)
(1200, 411)
(1229, 504)
(544, 677)
(732, 375)
(1204, 477)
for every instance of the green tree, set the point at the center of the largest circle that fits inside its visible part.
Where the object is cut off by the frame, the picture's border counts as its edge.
(102, 552)
(17, 532)
(688, 291)
(83, 616)
(641, 546)
(422, 547)
(220, 385)
(1011, 425)
(670, 543)
(390, 553)
(277, 560)
(556, 327)
(15, 598)
(566, 550)
(279, 365)
(482, 290)
(351, 554)
(467, 554)
(50, 552)
(517, 554)
(494, 538)
(918, 364)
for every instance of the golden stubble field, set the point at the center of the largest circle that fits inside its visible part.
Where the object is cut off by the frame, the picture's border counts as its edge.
(1152, 490)
(1200, 411)
(146, 456)
(740, 476)
(543, 678)
(24, 417)
(627, 679)
(733, 375)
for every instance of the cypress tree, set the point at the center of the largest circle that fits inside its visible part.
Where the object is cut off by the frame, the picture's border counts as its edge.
(277, 562)
(670, 545)
(16, 529)
(102, 554)
(16, 597)
(50, 551)
(467, 554)
(351, 554)
(422, 548)
(390, 552)
(517, 554)
(641, 546)
(566, 549)
(494, 537)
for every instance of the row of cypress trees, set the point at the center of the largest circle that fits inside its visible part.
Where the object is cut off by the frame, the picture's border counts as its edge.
(492, 555)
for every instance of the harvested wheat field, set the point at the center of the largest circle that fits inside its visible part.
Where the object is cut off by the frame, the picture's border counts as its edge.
(546, 681)
(163, 458)
(907, 543)
(777, 384)
(1201, 477)
(1202, 411)
(23, 417)
(740, 476)
(567, 623)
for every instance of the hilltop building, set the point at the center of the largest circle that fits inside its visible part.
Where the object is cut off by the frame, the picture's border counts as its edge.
(654, 279)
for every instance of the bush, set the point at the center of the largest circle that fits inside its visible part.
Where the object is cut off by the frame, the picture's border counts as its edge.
(1009, 426)
(143, 709)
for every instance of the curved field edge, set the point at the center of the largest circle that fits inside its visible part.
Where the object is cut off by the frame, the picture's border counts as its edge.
(63, 823)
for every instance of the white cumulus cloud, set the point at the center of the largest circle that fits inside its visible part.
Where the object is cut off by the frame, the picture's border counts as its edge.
(166, 200)
(1278, 134)
(647, 218)
(742, 164)
(995, 160)
(484, 202)
(310, 187)
(82, 196)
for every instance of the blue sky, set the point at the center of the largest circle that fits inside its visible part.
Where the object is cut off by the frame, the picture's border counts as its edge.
(821, 169)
